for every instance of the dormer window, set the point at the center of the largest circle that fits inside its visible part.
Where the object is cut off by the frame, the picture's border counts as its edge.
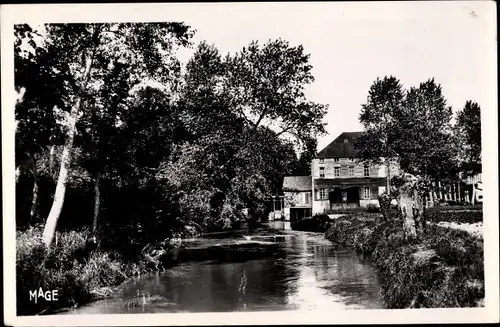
(336, 159)
(321, 160)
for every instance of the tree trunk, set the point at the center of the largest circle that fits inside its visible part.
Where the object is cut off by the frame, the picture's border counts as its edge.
(34, 199)
(18, 173)
(409, 231)
(388, 175)
(412, 211)
(51, 160)
(473, 197)
(97, 203)
(57, 204)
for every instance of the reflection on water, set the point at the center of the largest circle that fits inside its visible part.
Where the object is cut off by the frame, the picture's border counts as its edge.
(305, 271)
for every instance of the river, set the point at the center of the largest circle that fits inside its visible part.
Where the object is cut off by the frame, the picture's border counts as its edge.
(287, 270)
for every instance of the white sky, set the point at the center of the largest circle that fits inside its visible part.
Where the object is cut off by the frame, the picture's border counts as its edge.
(351, 44)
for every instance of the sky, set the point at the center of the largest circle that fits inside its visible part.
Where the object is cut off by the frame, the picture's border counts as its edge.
(351, 44)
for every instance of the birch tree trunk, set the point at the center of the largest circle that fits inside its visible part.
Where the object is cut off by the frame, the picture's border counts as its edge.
(97, 203)
(57, 204)
(51, 160)
(34, 199)
(473, 197)
(388, 177)
(18, 173)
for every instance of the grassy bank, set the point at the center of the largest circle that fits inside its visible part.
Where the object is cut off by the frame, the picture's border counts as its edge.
(446, 269)
(79, 272)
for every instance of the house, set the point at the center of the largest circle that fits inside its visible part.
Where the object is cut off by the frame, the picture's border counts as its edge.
(297, 197)
(340, 180)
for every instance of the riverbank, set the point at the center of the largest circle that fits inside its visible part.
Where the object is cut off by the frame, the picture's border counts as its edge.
(446, 269)
(79, 272)
(82, 274)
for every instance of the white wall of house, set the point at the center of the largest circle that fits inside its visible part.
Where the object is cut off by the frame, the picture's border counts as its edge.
(320, 206)
(348, 168)
(330, 168)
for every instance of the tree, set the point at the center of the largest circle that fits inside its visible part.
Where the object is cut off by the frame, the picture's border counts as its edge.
(378, 143)
(425, 141)
(303, 167)
(36, 118)
(217, 105)
(468, 135)
(84, 51)
(267, 84)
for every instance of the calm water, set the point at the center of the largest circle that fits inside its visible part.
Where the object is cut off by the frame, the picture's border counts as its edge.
(299, 271)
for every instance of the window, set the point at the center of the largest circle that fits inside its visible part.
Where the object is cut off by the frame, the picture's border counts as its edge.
(351, 171)
(344, 196)
(321, 160)
(367, 171)
(366, 192)
(307, 198)
(337, 171)
(322, 194)
(336, 159)
(322, 172)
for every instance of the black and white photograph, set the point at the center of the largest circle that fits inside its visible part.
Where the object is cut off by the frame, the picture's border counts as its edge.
(233, 163)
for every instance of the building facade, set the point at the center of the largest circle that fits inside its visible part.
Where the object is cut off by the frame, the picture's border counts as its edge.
(340, 180)
(297, 197)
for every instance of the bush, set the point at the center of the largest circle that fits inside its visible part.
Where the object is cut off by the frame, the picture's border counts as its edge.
(317, 223)
(372, 208)
(437, 215)
(69, 266)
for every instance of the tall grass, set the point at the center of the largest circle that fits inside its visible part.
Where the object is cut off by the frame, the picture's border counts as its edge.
(445, 269)
(77, 273)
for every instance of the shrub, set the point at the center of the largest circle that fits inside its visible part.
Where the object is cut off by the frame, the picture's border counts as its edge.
(68, 266)
(372, 208)
(437, 215)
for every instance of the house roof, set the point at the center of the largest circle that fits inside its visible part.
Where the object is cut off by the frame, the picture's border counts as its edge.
(341, 147)
(297, 183)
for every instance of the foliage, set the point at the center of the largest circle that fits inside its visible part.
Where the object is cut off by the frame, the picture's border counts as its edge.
(425, 144)
(385, 99)
(415, 127)
(468, 136)
(445, 270)
(439, 214)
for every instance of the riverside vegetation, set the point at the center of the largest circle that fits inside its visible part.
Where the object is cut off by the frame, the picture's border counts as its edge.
(445, 268)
